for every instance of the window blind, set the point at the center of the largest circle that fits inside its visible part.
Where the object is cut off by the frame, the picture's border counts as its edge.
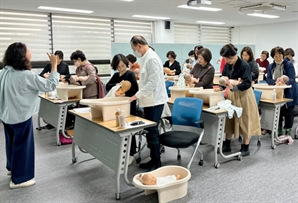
(30, 29)
(214, 35)
(88, 34)
(124, 30)
(186, 33)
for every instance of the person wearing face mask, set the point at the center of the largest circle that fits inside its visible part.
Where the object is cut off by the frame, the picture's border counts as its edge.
(152, 95)
(191, 57)
(289, 54)
(172, 64)
(242, 96)
(85, 75)
(279, 67)
(19, 89)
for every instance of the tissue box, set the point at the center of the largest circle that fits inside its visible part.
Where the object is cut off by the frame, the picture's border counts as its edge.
(208, 96)
(106, 108)
(176, 92)
(66, 92)
(268, 89)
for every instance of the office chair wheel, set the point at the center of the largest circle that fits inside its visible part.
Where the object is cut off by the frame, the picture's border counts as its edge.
(201, 163)
(240, 157)
(296, 137)
(273, 146)
(216, 165)
(138, 160)
(39, 129)
(179, 157)
(74, 160)
(259, 143)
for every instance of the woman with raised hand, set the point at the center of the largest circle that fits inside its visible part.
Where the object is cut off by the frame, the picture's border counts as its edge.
(19, 88)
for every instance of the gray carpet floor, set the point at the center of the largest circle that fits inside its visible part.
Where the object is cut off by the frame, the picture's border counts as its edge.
(265, 176)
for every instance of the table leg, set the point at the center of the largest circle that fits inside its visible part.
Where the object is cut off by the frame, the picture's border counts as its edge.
(275, 127)
(61, 123)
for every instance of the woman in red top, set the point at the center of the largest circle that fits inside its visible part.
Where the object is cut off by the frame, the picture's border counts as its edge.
(134, 66)
(262, 61)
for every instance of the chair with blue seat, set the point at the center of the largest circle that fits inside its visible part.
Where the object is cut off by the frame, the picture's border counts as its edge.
(258, 95)
(187, 128)
(168, 85)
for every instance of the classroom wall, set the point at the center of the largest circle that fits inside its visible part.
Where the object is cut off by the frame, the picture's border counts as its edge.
(267, 36)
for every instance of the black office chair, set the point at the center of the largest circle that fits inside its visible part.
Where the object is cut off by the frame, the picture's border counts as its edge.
(186, 115)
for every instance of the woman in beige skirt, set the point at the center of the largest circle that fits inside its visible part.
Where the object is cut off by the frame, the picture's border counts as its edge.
(242, 96)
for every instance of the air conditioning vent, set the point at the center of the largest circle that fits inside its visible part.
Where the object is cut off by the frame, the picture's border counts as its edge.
(262, 8)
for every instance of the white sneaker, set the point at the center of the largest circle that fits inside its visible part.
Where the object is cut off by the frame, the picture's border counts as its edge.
(131, 160)
(9, 173)
(21, 185)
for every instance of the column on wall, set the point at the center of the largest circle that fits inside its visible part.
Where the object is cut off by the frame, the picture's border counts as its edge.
(163, 31)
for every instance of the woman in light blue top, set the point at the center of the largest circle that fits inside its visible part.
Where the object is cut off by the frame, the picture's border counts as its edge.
(19, 88)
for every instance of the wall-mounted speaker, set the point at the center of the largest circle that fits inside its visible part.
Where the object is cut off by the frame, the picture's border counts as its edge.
(167, 24)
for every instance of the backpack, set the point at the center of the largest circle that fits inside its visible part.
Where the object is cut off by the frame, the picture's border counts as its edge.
(100, 86)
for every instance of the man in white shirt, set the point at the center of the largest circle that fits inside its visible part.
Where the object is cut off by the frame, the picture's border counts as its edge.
(152, 95)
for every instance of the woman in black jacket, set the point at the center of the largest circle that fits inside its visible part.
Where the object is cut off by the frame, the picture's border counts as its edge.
(248, 56)
(172, 64)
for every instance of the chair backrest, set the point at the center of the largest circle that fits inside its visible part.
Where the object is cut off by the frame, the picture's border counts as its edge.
(169, 84)
(186, 111)
(258, 95)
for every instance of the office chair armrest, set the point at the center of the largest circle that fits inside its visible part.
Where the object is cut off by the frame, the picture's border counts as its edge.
(200, 124)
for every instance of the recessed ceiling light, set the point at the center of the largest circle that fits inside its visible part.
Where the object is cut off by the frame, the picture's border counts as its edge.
(210, 22)
(262, 15)
(202, 8)
(150, 17)
(64, 9)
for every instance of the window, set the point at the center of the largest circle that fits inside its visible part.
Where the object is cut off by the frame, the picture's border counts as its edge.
(214, 35)
(31, 29)
(186, 34)
(124, 30)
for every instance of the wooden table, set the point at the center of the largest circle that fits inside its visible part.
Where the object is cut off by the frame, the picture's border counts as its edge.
(270, 116)
(54, 112)
(106, 142)
(214, 121)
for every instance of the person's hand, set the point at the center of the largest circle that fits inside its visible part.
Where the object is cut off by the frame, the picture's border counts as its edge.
(217, 89)
(46, 75)
(62, 78)
(54, 61)
(132, 98)
(76, 78)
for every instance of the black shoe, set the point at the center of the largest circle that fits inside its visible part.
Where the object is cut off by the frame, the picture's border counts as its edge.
(146, 165)
(245, 153)
(48, 127)
(226, 148)
(154, 166)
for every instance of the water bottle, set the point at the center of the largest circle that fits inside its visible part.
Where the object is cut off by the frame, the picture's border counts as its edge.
(222, 98)
(274, 95)
(117, 114)
(122, 119)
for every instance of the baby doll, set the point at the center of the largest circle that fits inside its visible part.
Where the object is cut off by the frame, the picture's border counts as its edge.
(125, 86)
(169, 71)
(74, 79)
(223, 81)
(190, 80)
(149, 179)
(137, 73)
(282, 80)
(186, 68)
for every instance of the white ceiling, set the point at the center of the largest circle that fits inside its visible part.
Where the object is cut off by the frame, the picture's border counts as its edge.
(167, 8)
